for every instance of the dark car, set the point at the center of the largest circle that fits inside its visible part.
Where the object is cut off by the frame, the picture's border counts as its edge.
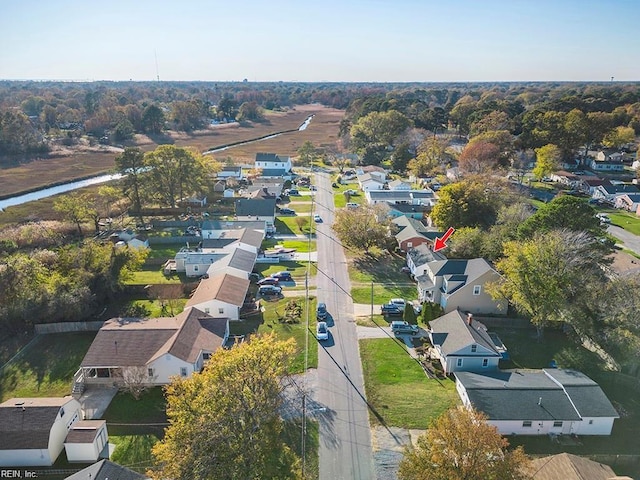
(287, 211)
(268, 290)
(282, 276)
(334, 185)
(268, 281)
(321, 311)
(389, 309)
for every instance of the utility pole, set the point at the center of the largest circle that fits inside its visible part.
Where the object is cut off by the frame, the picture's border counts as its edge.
(371, 301)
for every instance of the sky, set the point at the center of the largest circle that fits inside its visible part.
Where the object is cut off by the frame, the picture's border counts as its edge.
(318, 41)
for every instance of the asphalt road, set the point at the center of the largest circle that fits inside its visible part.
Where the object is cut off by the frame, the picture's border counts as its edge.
(345, 437)
(630, 241)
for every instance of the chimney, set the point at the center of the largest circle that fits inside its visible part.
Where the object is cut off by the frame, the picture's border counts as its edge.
(469, 318)
(540, 401)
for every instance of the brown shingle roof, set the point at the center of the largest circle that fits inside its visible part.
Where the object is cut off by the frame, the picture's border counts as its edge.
(566, 466)
(84, 431)
(225, 288)
(199, 332)
(129, 342)
(25, 423)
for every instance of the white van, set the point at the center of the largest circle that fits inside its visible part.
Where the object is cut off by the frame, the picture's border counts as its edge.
(352, 205)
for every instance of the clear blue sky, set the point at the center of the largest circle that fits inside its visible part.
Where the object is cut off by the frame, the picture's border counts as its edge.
(325, 40)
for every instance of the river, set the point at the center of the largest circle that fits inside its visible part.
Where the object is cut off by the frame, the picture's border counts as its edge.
(67, 187)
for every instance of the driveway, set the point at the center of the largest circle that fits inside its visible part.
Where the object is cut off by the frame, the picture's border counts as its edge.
(629, 240)
(95, 400)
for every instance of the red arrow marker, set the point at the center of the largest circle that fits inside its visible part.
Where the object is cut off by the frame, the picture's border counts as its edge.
(441, 243)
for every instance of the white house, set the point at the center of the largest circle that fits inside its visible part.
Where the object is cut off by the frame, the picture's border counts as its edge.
(33, 430)
(399, 185)
(463, 344)
(195, 263)
(270, 161)
(377, 172)
(369, 181)
(229, 171)
(424, 197)
(151, 351)
(628, 201)
(212, 229)
(540, 402)
(220, 296)
(238, 262)
(86, 441)
(606, 165)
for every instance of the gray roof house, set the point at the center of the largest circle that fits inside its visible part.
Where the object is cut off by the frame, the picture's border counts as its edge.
(463, 344)
(415, 233)
(257, 209)
(217, 228)
(33, 430)
(399, 185)
(424, 197)
(106, 470)
(458, 284)
(239, 262)
(230, 171)
(538, 402)
(155, 349)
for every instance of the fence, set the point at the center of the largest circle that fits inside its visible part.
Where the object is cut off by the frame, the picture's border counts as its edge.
(67, 327)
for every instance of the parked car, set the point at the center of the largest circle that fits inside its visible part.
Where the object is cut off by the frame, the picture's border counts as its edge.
(351, 192)
(268, 290)
(388, 309)
(287, 211)
(313, 188)
(400, 327)
(322, 332)
(321, 311)
(317, 218)
(398, 302)
(282, 276)
(352, 205)
(292, 191)
(603, 217)
(334, 185)
(267, 281)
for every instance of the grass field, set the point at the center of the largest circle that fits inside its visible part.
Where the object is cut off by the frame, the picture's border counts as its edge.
(383, 269)
(299, 245)
(133, 451)
(152, 275)
(46, 368)
(623, 219)
(288, 225)
(398, 389)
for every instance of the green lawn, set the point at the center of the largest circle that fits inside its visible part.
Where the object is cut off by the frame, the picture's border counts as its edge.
(299, 245)
(11, 345)
(398, 389)
(626, 220)
(152, 275)
(297, 269)
(287, 225)
(383, 269)
(301, 208)
(165, 252)
(47, 367)
(153, 308)
(133, 451)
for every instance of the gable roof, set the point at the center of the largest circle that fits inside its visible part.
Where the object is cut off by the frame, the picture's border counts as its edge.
(406, 208)
(231, 168)
(25, 423)
(239, 258)
(370, 177)
(273, 172)
(84, 431)
(416, 228)
(228, 225)
(422, 254)
(225, 288)
(569, 467)
(106, 470)
(398, 183)
(270, 157)
(198, 332)
(552, 394)
(255, 206)
(453, 333)
(129, 342)
(460, 271)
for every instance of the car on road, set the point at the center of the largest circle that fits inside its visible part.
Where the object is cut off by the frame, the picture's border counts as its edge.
(388, 309)
(282, 276)
(268, 281)
(313, 188)
(268, 290)
(322, 332)
(287, 211)
(401, 327)
(321, 311)
(317, 218)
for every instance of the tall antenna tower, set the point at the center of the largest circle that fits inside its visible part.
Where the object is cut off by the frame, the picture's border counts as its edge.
(157, 71)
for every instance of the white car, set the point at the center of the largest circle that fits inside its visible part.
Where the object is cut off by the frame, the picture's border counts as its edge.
(317, 218)
(322, 332)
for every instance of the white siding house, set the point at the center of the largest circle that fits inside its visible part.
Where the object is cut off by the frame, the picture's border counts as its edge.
(33, 430)
(86, 440)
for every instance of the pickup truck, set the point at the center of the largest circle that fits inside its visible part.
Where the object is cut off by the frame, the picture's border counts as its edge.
(390, 309)
(399, 327)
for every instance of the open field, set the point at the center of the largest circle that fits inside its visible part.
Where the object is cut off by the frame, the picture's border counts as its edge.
(398, 389)
(46, 368)
(383, 270)
(323, 130)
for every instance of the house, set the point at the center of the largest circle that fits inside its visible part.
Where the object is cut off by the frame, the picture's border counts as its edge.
(538, 402)
(229, 171)
(239, 263)
(609, 193)
(196, 263)
(265, 187)
(425, 197)
(609, 156)
(463, 344)
(220, 296)
(416, 212)
(419, 256)
(151, 351)
(378, 172)
(567, 466)
(33, 430)
(139, 241)
(399, 185)
(193, 201)
(257, 209)
(271, 161)
(606, 165)
(459, 284)
(628, 201)
(368, 181)
(566, 178)
(106, 470)
(228, 193)
(220, 186)
(589, 184)
(413, 233)
(217, 228)
(87, 441)
(245, 238)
